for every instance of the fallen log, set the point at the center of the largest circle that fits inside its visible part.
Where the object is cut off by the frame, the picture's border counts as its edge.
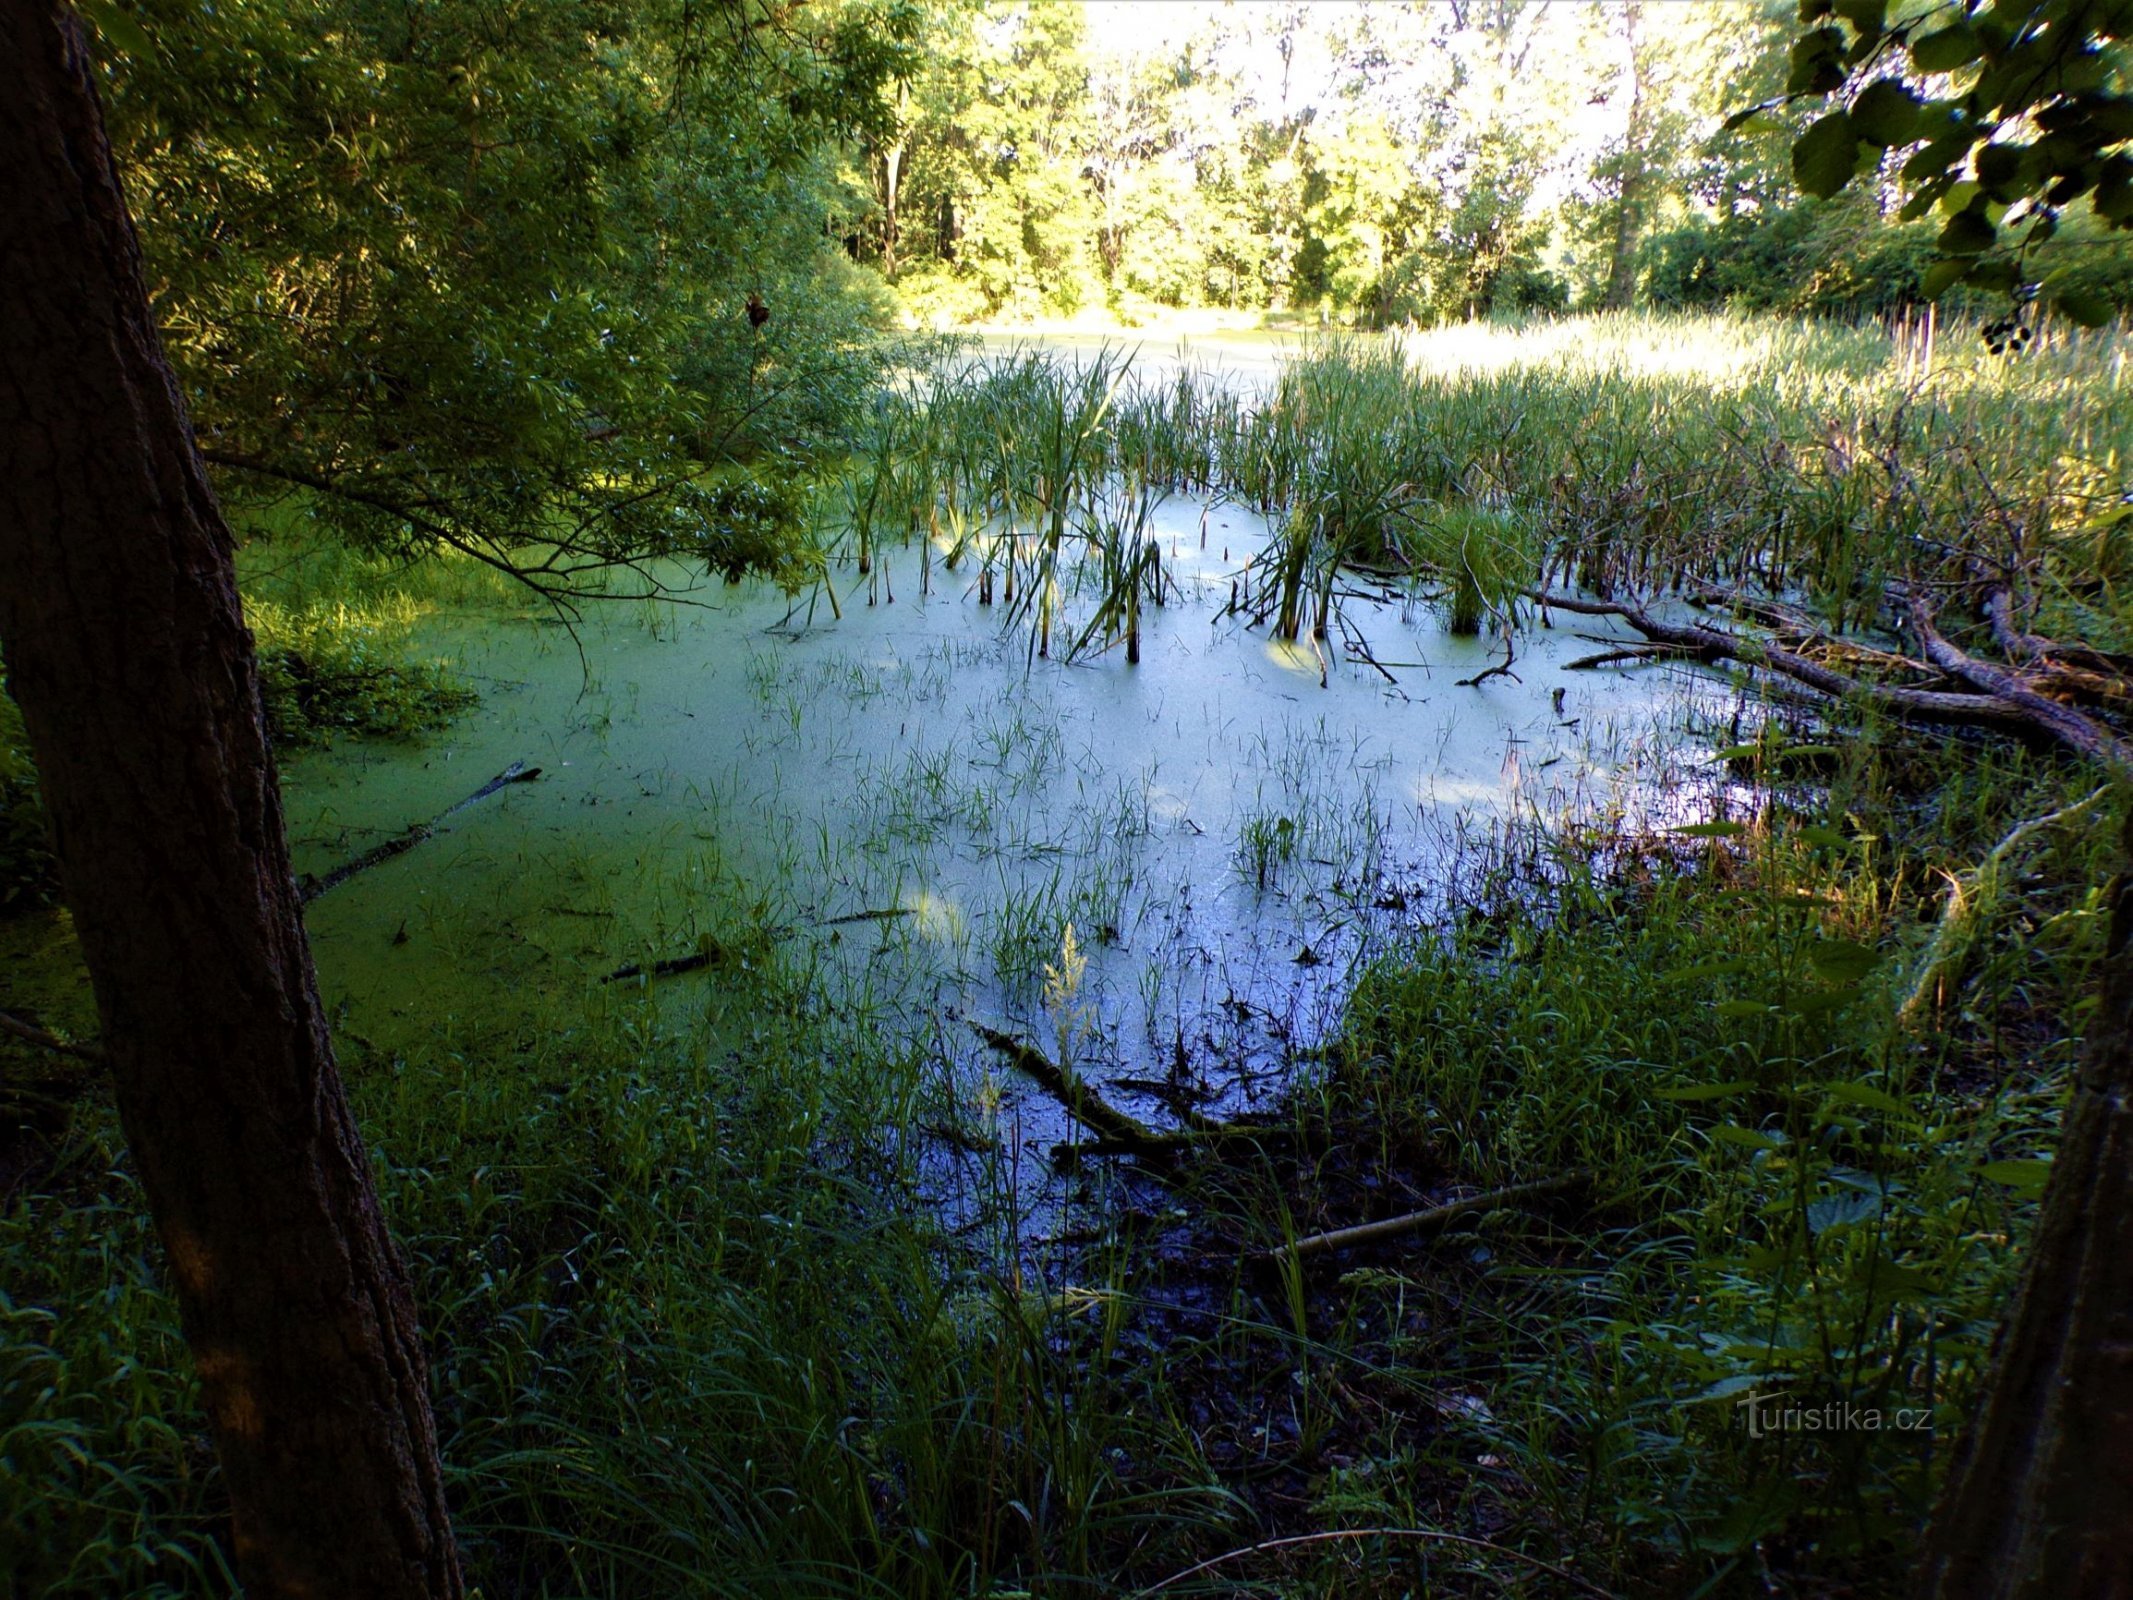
(29, 1033)
(311, 888)
(2070, 668)
(1317, 1244)
(2064, 723)
(2011, 708)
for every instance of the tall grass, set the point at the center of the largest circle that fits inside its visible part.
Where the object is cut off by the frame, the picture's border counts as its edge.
(1639, 452)
(693, 1331)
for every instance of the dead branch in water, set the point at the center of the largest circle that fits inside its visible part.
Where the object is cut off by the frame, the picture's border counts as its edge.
(2001, 699)
(1082, 1103)
(2070, 727)
(311, 888)
(1632, 652)
(1501, 669)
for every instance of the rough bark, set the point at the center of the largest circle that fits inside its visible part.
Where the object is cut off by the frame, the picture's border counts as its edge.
(2039, 1503)
(2068, 726)
(138, 686)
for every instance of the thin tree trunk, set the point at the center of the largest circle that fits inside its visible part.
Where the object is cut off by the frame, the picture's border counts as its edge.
(2039, 1503)
(1629, 210)
(139, 688)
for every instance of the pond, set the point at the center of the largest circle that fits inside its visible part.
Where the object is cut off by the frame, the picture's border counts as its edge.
(905, 797)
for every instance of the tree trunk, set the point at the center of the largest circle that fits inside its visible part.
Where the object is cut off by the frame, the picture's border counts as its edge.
(2039, 1503)
(138, 685)
(1629, 211)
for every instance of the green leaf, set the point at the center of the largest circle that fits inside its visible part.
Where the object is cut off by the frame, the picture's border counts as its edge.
(1817, 63)
(1725, 1388)
(1867, 17)
(1842, 960)
(1947, 49)
(1702, 1091)
(2027, 1176)
(1805, 902)
(1740, 1008)
(1862, 1094)
(1704, 969)
(1895, 1281)
(1747, 1138)
(1842, 1211)
(1994, 277)
(1968, 234)
(1827, 838)
(119, 30)
(2114, 190)
(1738, 752)
(1825, 156)
(1943, 276)
(1886, 113)
(1712, 830)
(2089, 309)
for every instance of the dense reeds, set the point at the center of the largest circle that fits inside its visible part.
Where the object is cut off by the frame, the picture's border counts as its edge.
(1625, 453)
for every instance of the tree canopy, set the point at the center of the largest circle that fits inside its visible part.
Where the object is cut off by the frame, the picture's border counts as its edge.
(478, 273)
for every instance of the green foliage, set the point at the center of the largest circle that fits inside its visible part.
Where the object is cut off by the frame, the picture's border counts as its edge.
(692, 1332)
(336, 631)
(329, 670)
(28, 874)
(1796, 1195)
(479, 275)
(2015, 112)
(1638, 450)
(110, 1483)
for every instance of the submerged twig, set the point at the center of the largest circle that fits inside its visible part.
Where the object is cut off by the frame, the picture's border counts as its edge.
(1082, 1103)
(311, 888)
(1501, 669)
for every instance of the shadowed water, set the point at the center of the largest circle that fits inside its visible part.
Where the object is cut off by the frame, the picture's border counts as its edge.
(909, 801)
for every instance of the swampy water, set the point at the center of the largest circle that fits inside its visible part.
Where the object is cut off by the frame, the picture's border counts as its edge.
(904, 795)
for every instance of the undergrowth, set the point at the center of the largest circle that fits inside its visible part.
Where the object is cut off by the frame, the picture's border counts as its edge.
(693, 1331)
(1808, 1181)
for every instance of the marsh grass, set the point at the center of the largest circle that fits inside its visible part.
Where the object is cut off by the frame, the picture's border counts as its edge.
(1621, 452)
(692, 1331)
(1798, 1190)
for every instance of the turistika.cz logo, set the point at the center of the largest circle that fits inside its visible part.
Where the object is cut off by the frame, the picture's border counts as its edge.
(1769, 1414)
